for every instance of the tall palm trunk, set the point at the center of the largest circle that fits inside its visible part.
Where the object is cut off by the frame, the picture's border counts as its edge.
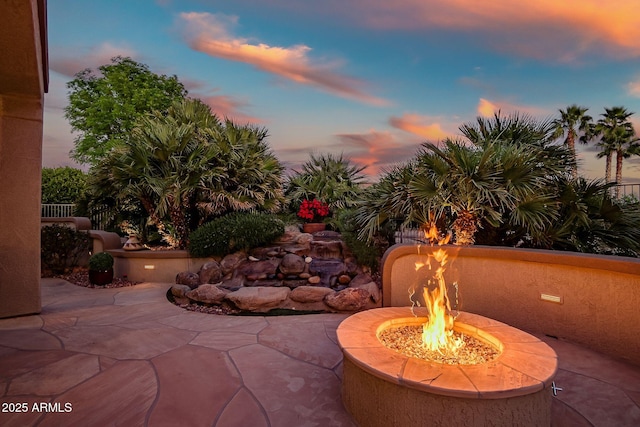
(619, 158)
(607, 169)
(571, 143)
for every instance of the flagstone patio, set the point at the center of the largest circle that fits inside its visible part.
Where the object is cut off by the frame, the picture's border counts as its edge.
(126, 356)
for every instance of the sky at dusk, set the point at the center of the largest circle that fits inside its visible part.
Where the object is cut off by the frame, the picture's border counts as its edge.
(371, 79)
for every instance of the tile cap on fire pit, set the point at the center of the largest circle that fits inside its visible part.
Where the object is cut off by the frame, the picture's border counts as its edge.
(526, 364)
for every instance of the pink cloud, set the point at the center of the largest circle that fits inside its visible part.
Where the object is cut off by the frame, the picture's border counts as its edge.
(562, 31)
(70, 63)
(422, 126)
(211, 34)
(229, 107)
(376, 151)
(634, 88)
(488, 108)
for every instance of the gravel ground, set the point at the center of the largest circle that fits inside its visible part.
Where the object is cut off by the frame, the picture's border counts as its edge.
(408, 341)
(80, 277)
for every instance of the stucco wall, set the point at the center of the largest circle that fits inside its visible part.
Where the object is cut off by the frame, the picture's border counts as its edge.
(600, 295)
(23, 79)
(154, 266)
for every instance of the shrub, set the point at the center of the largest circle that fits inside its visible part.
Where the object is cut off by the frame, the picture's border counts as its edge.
(365, 253)
(62, 247)
(101, 261)
(234, 232)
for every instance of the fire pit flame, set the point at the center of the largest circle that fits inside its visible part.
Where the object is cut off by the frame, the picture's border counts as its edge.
(437, 332)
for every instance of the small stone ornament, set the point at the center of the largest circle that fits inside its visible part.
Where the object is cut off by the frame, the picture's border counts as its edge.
(132, 244)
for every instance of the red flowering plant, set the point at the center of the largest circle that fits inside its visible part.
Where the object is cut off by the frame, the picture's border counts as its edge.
(313, 210)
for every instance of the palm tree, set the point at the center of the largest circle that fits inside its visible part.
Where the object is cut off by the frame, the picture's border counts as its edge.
(186, 165)
(617, 135)
(496, 182)
(522, 130)
(390, 201)
(575, 124)
(591, 221)
(330, 178)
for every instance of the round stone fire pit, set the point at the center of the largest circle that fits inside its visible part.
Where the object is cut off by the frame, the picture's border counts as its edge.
(382, 387)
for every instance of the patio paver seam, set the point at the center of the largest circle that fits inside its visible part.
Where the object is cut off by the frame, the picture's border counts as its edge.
(156, 399)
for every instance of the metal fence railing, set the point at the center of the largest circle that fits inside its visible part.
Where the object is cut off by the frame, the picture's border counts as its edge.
(629, 190)
(98, 216)
(57, 210)
(409, 235)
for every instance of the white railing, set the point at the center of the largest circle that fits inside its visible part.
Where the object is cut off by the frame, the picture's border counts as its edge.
(57, 210)
(629, 190)
(60, 210)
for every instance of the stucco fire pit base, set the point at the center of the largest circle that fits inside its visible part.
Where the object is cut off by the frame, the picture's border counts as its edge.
(382, 387)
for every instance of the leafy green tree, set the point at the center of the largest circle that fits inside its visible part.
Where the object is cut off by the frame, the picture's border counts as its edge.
(573, 124)
(327, 177)
(104, 104)
(186, 166)
(63, 185)
(617, 135)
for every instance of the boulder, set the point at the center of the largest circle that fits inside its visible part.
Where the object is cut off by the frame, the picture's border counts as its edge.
(329, 249)
(372, 288)
(264, 282)
(258, 299)
(188, 278)
(302, 250)
(208, 294)
(290, 235)
(327, 269)
(232, 283)
(210, 272)
(309, 293)
(360, 279)
(292, 264)
(259, 269)
(295, 283)
(304, 239)
(231, 262)
(180, 291)
(350, 299)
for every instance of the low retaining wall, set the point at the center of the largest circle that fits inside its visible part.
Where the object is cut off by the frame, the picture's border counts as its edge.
(75, 222)
(154, 266)
(588, 299)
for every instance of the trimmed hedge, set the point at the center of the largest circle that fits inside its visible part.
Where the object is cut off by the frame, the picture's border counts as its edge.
(234, 232)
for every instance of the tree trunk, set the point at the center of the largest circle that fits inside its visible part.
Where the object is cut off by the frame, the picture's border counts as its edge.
(571, 143)
(607, 170)
(465, 227)
(619, 158)
(180, 225)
